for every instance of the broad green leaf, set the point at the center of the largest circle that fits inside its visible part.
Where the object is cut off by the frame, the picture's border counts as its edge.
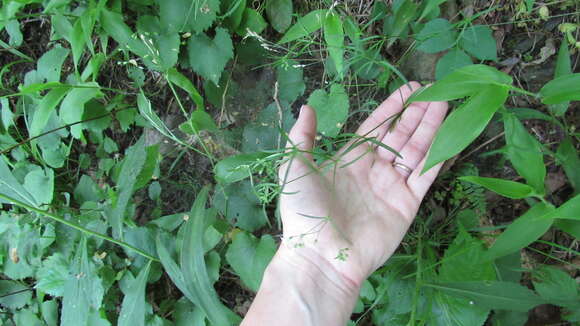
(209, 57)
(14, 295)
(199, 120)
(331, 109)
(466, 81)
(10, 187)
(525, 153)
(492, 294)
(162, 46)
(464, 124)
(279, 14)
(50, 64)
(131, 169)
(478, 41)
(506, 188)
(567, 156)
(437, 35)
(133, 306)
(194, 268)
(430, 6)
(183, 82)
(555, 286)
(451, 61)
(61, 26)
(305, 26)
(249, 257)
(571, 227)
(40, 184)
(53, 275)
(73, 106)
(236, 168)
(83, 290)
(290, 81)
(14, 33)
(570, 210)
(252, 21)
(562, 89)
(563, 67)
(334, 37)
(240, 205)
(266, 133)
(523, 231)
(188, 15)
(45, 109)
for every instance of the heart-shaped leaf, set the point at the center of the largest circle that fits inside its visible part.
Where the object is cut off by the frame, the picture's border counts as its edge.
(209, 57)
(331, 109)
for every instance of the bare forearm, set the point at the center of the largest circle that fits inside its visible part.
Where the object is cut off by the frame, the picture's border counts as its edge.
(297, 291)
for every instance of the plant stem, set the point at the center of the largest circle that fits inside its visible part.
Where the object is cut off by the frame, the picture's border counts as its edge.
(78, 227)
(523, 91)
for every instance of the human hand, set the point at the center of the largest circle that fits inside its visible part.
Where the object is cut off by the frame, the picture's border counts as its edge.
(348, 218)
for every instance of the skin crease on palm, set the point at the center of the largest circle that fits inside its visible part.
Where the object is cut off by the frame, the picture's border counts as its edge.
(368, 204)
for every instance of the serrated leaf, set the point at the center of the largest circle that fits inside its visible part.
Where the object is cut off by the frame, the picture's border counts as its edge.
(184, 83)
(279, 14)
(478, 41)
(305, 26)
(464, 124)
(523, 231)
(561, 89)
(249, 257)
(73, 106)
(331, 109)
(506, 188)
(466, 81)
(209, 57)
(450, 62)
(525, 153)
(555, 286)
(52, 275)
(133, 306)
(334, 37)
(436, 36)
(492, 294)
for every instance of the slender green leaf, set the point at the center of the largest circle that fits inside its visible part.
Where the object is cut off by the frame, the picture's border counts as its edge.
(199, 120)
(506, 188)
(562, 89)
(305, 26)
(77, 41)
(464, 124)
(183, 82)
(563, 67)
(334, 37)
(249, 257)
(113, 23)
(523, 231)
(570, 210)
(492, 294)
(567, 155)
(45, 108)
(525, 153)
(236, 168)
(133, 306)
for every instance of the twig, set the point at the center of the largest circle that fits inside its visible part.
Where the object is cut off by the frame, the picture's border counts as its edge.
(280, 114)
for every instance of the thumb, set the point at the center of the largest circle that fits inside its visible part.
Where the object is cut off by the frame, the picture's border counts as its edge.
(300, 140)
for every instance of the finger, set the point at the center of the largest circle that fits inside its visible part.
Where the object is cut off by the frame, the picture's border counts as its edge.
(378, 122)
(300, 143)
(419, 184)
(418, 144)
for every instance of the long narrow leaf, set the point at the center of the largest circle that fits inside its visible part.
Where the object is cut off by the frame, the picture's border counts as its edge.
(133, 306)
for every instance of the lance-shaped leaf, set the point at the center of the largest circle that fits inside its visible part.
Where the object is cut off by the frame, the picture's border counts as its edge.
(506, 188)
(306, 25)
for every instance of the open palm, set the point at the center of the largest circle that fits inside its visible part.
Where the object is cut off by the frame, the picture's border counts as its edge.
(352, 214)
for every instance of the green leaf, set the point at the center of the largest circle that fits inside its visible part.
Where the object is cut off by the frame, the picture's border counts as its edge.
(77, 41)
(466, 81)
(249, 257)
(10, 187)
(555, 286)
(506, 188)
(53, 274)
(234, 11)
(450, 62)
(563, 67)
(523, 231)
(266, 133)
(199, 120)
(509, 318)
(567, 156)
(240, 205)
(50, 64)
(114, 24)
(570, 210)
(430, 6)
(331, 109)
(208, 57)
(305, 26)
(194, 267)
(478, 41)
(397, 25)
(45, 108)
(571, 227)
(14, 295)
(163, 46)
(279, 14)
(437, 35)
(525, 153)
(133, 306)
(252, 21)
(492, 294)
(236, 168)
(40, 184)
(188, 15)
(290, 81)
(14, 33)
(334, 37)
(464, 124)
(562, 89)
(131, 169)
(184, 83)
(73, 106)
